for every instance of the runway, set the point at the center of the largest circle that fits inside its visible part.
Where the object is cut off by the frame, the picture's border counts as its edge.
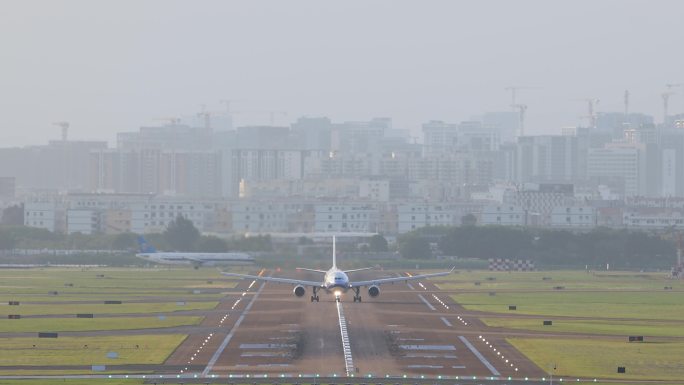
(407, 330)
(262, 329)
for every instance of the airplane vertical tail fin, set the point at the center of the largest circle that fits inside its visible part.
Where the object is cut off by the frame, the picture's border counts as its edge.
(144, 246)
(334, 254)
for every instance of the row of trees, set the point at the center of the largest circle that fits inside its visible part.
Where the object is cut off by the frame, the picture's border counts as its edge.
(546, 247)
(180, 235)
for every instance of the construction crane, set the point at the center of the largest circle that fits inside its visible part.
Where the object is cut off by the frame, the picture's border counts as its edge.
(228, 102)
(670, 86)
(514, 92)
(666, 102)
(626, 103)
(206, 116)
(591, 108)
(65, 129)
(522, 108)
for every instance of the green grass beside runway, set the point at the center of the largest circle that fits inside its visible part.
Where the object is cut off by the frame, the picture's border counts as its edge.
(623, 328)
(71, 382)
(637, 305)
(125, 308)
(590, 358)
(133, 349)
(40, 281)
(547, 280)
(640, 301)
(93, 324)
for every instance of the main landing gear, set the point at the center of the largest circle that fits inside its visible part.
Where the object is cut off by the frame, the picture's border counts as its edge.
(314, 297)
(357, 296)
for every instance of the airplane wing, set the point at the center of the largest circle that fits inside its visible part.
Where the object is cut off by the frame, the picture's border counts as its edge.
(380, 281)
(353, 270)
(314, 270)
(274, 279)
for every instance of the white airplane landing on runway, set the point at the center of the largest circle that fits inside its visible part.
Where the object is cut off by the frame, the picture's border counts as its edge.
(337, 282)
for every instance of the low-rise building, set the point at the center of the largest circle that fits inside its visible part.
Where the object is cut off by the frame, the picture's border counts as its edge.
(653, 219)
(344, 217)
(504, 215)
(573, 217)
(50, 216)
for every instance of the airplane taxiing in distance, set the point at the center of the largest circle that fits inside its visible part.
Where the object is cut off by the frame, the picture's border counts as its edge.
(149, 253)
(337, 281)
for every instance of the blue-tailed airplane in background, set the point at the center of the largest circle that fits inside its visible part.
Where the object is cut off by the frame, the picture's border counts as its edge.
(337, 282)
(149, 253)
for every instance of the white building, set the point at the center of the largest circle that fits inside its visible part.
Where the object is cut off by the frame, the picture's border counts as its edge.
(45, 215)
(155, 215)
(341, 217)
(412, 216)
(573, 217)
(84, 221)
(655, 219)
(271, 217)
(504, 215)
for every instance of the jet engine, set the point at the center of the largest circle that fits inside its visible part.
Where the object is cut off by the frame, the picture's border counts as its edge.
(299, 291)
(374, 291)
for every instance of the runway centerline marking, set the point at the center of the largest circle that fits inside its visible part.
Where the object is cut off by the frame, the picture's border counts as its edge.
(346, 348)
(446, 322)
(479, 356)
(224, 344)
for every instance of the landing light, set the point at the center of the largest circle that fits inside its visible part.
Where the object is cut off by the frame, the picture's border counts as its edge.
(338, 293)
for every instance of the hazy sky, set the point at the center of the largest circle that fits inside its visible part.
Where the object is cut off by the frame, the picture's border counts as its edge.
(108, 66)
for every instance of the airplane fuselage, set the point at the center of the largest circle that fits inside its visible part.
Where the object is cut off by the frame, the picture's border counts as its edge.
(336, 279)
(190, 258)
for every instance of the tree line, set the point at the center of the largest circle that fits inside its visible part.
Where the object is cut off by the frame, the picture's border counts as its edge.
(180, 235)
(601, 246)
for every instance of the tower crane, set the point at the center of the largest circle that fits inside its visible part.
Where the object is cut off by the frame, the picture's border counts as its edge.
(514, 92)
(591, 108)
(65, 129)
(522, 108)
(666, 102)
(670, 86)
(228, 103)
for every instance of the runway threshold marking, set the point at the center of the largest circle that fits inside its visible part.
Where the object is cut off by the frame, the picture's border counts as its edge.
(224, 344)
(346, 348)
(479, 356)
(426, 302)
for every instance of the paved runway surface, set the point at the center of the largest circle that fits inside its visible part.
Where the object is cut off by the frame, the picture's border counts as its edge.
(409, 329)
